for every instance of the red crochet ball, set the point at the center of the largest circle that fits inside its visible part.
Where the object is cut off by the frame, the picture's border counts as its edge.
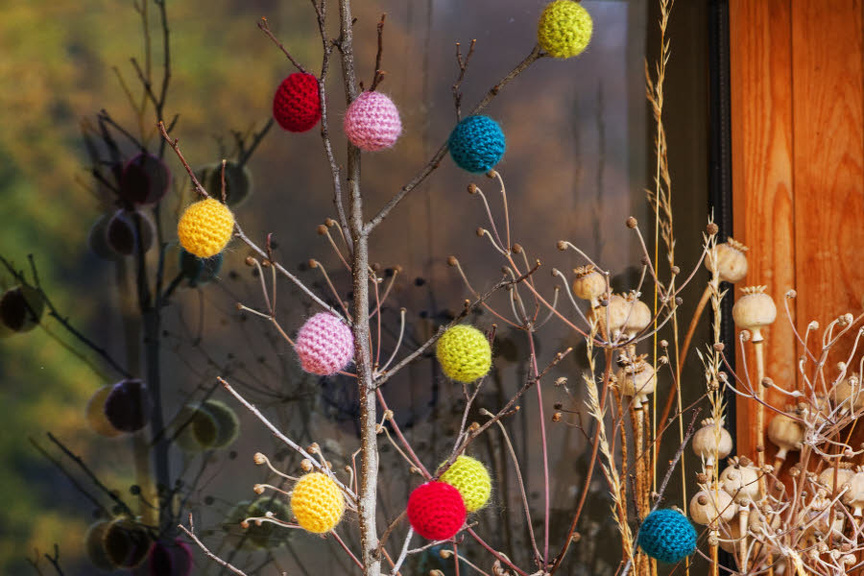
(297, 104)
(436, 510)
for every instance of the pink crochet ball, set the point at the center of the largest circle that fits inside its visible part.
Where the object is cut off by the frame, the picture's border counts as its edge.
(324, 344)
(436, 510)
(372, 122)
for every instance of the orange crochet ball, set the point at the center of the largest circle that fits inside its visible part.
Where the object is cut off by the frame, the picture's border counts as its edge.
(205, 228)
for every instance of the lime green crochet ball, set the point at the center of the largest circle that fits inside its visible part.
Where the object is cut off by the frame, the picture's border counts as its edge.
(470, 477)
(464, 353)
(565, 29)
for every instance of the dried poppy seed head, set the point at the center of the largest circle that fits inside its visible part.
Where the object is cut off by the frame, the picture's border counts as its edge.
(589, 284)
(730, 259)
(754, 310)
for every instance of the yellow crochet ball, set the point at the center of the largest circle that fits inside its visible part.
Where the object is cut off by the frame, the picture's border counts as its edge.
(470, 477)
(464, 353)
(565, 29)
(317, 503)
(205, 228)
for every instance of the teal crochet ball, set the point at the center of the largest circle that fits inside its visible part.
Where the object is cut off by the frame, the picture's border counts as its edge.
(477, 144)
(667, 536)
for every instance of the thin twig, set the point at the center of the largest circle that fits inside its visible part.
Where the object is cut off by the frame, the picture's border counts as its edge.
(265, 27)
(463, 67)
(190, 532)
(378, 73)
(435, 161)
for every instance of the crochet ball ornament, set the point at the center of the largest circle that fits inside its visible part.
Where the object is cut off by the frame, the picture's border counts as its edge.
(199, 271)
(324, 344)
(97, 239)
(470, 477)
(21, 308)
(96, 417)
(372, 122)
(93, 546)
(238, 181)
(565, 29)
(125, 543)
(210, 425)
(145, 179)
(252, 535)
(464, 353)
(127, 405)
(667, 535)
(477, 144)
(317, 503)
(127, 229)
(436, 510)
(205, 228)
(297, 103)
(166, 558)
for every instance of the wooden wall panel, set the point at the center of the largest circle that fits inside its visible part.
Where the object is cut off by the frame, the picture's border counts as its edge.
(828, 84)
(762, 148)
(798, 165)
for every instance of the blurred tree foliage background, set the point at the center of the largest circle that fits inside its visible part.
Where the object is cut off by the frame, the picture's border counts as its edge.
(575, 164)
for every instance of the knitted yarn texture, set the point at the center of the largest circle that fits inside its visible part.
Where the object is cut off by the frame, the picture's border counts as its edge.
(667, 536)
(324, 344)
(564, 29)
(464, 353)
(372, 122)
(205, 228)
(317, 503)
(436, 510)
(297, 103)
(470, 477)
(477, 144)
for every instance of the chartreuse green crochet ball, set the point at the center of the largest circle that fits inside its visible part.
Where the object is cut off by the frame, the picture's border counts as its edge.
(464, 353)
(564, 29)
(667, 535)
(470, 477)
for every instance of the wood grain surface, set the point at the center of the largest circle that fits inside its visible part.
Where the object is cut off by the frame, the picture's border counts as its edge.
(798, 167)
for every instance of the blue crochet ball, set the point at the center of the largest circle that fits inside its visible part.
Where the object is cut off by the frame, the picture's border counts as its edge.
(667, 536)
(477, 144)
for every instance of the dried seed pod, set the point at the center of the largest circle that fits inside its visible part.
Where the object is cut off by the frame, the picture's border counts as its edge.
(760, 523)
(709, 505)
(730, 535)
(822, 522)
(712, 441)
(637, 380)
(754, 310)
(848, 395)
(843, 473)
(817, 411)
(613, 316)
(639, 316)
(741, 482)
(786, 433)
(731, 261)
(854, 496)
(589, 284)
